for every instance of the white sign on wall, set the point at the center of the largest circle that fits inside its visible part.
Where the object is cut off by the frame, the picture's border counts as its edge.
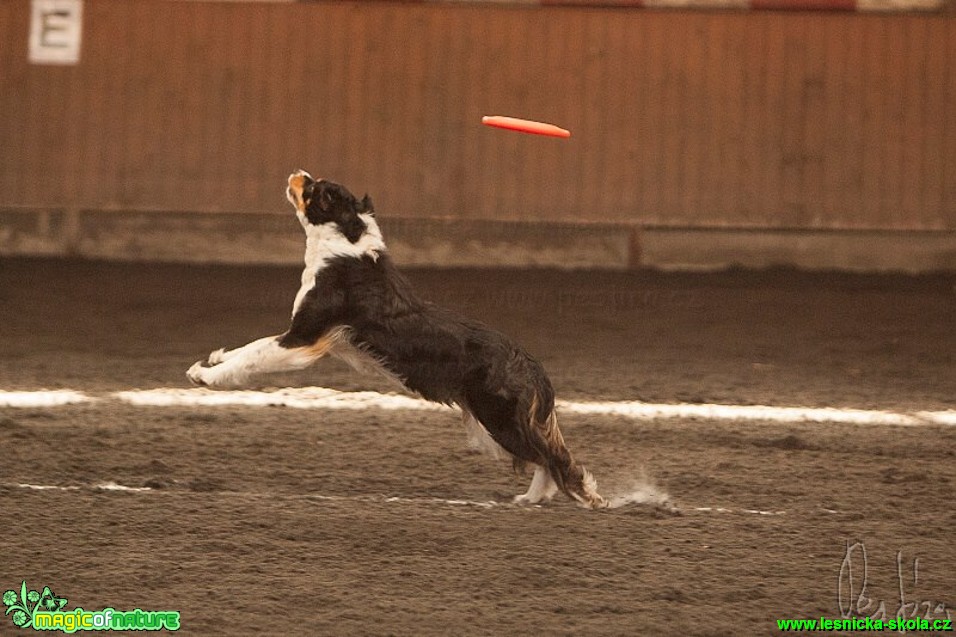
(56, 27)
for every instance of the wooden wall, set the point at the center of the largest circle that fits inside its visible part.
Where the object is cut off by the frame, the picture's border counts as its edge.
(688, 119)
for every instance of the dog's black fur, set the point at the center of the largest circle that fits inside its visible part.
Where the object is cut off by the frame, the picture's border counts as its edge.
(436, 353)
(359, 301)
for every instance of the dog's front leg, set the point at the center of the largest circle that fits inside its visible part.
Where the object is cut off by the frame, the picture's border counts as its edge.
(222, 354)
(263, 356)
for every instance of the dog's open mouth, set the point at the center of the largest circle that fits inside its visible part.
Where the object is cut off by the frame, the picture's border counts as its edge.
(298, 181)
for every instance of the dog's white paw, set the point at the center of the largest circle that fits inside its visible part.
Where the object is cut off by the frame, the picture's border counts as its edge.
(217, 356)
(527, 500)
(196, 374)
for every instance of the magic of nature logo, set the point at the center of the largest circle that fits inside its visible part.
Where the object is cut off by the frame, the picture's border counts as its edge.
(44, 610)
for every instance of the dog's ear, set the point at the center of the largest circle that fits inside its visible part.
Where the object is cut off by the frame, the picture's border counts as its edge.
(366, 206)
(326, 199)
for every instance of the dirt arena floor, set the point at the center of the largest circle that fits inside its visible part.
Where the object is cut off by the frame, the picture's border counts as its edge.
(283, 521)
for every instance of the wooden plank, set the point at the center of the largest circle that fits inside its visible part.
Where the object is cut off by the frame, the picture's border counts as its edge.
(855, 86)
(793, 153)
(893, 139)
(873, 122)
(626, 158)
(652, 107)
(913, 45)
(936, 110)
(476, 195)
(14, 17)
(773, 119)
(949, 129)
(679, 118)
(836, 169)
(753, 114)
(593, 117)
(814, 125)
(693, 118)
(714, 101)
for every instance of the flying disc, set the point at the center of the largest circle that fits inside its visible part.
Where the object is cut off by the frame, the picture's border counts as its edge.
(525, 126)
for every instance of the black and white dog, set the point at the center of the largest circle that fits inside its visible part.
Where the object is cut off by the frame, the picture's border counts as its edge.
(354, 304)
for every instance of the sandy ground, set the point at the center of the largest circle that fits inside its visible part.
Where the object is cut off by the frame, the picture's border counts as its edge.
(271, 520)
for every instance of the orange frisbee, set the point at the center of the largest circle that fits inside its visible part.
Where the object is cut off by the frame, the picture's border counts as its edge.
(525, 126)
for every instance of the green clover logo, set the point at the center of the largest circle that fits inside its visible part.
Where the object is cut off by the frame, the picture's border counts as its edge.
(25, 604)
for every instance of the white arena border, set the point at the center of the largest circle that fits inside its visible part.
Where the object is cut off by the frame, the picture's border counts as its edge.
(319, 398)
(296, 398)
(43, 398)
(615, 502)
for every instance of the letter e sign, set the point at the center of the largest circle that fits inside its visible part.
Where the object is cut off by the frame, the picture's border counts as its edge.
(56, 27)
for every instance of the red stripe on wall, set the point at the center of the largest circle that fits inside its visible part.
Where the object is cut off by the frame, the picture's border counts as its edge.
(634, 4)
(804, 5)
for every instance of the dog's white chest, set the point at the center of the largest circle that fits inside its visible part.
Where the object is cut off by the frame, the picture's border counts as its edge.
(325, 242)
(313, 263)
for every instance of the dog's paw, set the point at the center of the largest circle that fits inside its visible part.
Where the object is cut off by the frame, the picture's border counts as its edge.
(196, 374)
(217, 357)
(526, 500)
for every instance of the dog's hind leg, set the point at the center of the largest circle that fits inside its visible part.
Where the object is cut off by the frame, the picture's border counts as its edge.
(542, 489)
(543, 486)
(531, 436)
(478, 437)
(572, 478)
(578, 483)
(556, 461)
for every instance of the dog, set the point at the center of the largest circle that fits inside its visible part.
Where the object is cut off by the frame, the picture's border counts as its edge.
(355, 305)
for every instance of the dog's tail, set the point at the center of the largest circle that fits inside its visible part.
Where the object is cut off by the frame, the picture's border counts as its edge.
(545, 438)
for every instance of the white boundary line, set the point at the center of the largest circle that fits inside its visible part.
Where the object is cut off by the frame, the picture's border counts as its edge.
(297, 398)
(329, 399)
(42, 398)
(380, 499)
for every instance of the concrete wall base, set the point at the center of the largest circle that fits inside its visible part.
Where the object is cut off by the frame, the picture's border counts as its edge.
(277, 239)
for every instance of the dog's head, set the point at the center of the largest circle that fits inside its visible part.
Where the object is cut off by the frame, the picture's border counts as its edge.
(319, 201)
